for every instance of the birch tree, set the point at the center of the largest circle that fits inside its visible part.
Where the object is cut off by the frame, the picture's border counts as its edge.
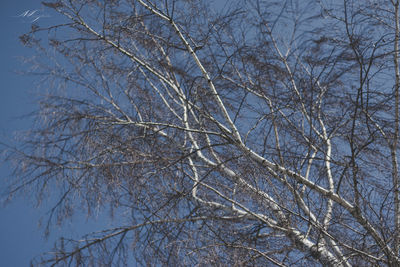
(246, 133)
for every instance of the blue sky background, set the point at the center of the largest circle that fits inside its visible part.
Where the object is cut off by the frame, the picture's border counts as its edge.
(20, 237)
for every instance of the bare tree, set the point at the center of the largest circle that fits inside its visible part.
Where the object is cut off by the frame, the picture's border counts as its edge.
(246, 134)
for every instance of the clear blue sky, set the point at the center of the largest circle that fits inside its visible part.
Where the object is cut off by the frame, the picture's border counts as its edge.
(20, 237)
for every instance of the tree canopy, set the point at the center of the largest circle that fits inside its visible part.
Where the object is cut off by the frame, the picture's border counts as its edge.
(219, 133)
